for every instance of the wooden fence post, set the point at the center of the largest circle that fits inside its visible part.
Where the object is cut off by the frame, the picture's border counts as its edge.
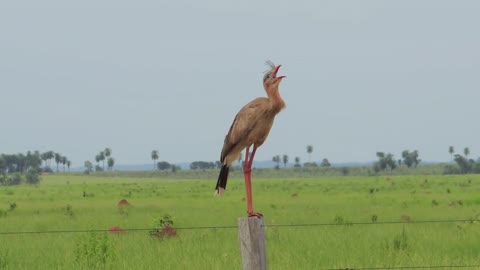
(251, 236)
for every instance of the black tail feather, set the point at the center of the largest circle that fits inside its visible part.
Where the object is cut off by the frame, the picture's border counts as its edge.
(222, 178)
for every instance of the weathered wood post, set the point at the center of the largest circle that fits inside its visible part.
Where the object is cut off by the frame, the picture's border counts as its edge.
(251, 236)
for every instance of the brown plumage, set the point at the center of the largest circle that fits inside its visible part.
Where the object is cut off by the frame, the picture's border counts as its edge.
(251, 127)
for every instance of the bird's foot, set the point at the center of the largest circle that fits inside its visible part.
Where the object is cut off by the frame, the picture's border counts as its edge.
(255, 214)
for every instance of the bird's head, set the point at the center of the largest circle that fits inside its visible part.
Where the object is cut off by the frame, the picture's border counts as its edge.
(271, 80)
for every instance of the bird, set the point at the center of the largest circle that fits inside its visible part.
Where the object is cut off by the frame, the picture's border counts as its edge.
(250, 129)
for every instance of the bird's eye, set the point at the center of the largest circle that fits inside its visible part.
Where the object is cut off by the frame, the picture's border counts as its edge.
(267, 76)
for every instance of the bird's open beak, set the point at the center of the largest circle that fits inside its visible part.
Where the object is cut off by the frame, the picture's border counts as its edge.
(275, 73)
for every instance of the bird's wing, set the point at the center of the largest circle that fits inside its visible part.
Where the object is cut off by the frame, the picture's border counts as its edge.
(244, 122)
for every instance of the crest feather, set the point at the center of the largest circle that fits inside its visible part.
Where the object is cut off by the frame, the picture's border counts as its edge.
(270, 64)
(268, 72)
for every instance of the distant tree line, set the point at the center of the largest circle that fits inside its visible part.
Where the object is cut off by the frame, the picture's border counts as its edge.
(196, 165)
(284, 159)
(103, 155)
(387, 161)
(162, 165)
(463, 164)
(205, 165)
(19, 168)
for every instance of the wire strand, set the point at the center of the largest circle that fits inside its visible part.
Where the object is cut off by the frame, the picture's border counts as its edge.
(370, 223)
(235, 226)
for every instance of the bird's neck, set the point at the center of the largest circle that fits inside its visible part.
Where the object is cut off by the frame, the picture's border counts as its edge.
(276, 99)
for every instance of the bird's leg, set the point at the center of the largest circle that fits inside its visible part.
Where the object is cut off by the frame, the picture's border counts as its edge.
(246, 175)
(245, 163)
(248, 182)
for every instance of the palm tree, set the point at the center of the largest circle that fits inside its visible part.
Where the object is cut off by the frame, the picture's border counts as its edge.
(451, 151)
(37, 160)
(297, 162)
(309, 151)
(154, 158)
(63, 161)
(20, 162)
(97, 159)
(277, 160)
(101, 155)
(44, 157)
(285, 160)
(108, 152)
(110, 162)
(58, 159)
(68, 164)
(50, 156)
(466, 151)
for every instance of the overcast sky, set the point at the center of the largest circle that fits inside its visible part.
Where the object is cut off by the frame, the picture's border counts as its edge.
(362, 77)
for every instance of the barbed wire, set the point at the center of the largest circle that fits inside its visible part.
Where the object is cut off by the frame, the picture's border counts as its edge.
(347, 223)
(235, 226)
(115, 231)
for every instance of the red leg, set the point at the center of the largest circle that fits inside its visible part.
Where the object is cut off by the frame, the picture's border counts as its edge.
(246, 175)
(248, 183)
(245, 163)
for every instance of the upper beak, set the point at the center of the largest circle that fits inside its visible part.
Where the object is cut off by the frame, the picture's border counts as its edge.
(276, 71)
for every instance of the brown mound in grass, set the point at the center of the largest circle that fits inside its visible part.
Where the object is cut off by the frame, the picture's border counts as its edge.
(405, 218)
(116, 230)
(123, 202)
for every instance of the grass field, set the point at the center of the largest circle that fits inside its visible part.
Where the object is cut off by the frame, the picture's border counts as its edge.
(58, 204)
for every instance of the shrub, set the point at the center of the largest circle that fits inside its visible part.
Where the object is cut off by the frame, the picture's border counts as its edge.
(476, 167)
(163, 228)
(310, 165)
(32, 177)
(12, 206)
(451, 169)
(68, 211)
(14, 179)
(344, 170)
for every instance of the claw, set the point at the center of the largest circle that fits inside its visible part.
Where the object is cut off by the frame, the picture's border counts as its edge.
(255, 214)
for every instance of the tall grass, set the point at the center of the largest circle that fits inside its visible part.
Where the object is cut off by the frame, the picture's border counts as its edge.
(90, 202)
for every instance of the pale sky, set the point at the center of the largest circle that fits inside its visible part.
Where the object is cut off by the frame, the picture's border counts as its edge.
(362, 77)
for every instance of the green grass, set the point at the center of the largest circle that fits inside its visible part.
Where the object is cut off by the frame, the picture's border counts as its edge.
(58, 204)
